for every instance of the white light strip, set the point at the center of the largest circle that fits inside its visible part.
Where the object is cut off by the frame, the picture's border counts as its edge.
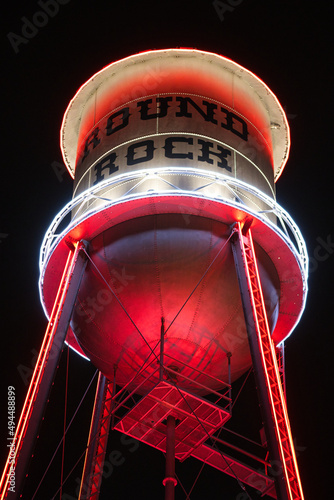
(297, 247)
(219, 179)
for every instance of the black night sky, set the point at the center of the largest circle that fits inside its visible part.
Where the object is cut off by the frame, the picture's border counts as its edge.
(289, 46)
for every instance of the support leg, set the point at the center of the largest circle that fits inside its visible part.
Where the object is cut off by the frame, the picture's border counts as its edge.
(271, 396)
(39, 388)
(97, 442)
(170, 482)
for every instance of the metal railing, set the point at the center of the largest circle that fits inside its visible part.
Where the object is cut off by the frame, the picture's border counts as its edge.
(286, 228)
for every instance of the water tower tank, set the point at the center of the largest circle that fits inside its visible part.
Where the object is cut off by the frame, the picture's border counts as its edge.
(168, 149)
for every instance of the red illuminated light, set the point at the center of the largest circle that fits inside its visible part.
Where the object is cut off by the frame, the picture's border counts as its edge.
(44, 353)
(269, 361)
(224, 60)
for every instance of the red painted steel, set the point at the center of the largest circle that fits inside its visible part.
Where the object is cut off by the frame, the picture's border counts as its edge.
(170, 481)
(197, 419)
(147, 257)
(22, 428)
(97, 441)
(146, 421)
(152, 264)
(271, 369)
(246, 474)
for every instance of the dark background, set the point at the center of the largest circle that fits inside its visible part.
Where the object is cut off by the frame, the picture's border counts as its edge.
(289, 46)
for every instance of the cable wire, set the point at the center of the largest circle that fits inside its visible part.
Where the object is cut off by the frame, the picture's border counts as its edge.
(158, 360)
(243, 385)
(60, 442)
(213, 442)
(196, 479)
(199, 281)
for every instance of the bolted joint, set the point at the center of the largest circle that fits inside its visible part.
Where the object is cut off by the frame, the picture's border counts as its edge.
(234, 232)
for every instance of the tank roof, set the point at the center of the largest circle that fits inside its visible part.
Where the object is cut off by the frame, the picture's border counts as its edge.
(278, 122)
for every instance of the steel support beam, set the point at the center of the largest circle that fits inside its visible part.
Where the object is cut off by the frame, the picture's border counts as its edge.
(97, 441)
(170, 481)
(162, 346)
(43, 375)
(227, 464)
(267, 376)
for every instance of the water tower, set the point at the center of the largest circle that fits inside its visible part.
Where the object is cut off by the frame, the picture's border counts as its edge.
(173, 269)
